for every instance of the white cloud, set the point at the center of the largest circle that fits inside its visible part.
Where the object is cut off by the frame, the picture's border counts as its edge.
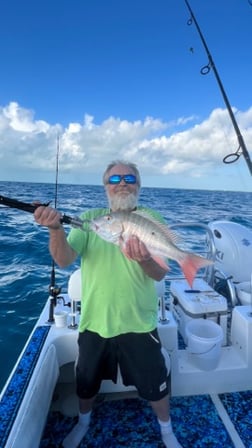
(21, 120)
(187, 146)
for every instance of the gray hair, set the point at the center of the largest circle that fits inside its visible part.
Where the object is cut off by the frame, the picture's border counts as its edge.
(130, 165)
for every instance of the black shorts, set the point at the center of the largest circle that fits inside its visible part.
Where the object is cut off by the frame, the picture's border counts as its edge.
(138, 354)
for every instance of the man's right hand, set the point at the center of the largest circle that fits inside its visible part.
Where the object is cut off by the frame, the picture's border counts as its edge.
(48, 216)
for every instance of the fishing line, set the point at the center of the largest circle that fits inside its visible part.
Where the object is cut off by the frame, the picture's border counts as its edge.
(242, 149)
(57, 173)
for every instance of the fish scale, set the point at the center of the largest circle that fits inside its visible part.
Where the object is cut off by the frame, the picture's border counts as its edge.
(150, 232)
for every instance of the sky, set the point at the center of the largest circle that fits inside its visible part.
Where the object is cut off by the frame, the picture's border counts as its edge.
(113, 80)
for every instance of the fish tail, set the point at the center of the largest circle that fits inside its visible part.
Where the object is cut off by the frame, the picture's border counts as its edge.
(191, 264)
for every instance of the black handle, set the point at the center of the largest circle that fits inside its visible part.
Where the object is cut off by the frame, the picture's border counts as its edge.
(14, 203)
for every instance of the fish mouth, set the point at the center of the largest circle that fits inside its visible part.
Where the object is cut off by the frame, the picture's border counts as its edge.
(94, 226)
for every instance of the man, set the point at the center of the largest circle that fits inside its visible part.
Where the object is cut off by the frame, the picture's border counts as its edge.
(119, 306)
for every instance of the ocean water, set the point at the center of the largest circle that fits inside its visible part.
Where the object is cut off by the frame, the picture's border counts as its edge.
(25, 263)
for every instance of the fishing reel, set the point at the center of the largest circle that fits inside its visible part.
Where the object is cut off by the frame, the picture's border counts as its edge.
(54, 291)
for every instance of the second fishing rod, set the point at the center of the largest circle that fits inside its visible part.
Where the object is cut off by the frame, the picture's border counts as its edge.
(242, 149)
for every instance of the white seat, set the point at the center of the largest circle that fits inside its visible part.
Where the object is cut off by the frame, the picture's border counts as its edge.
(74, 286)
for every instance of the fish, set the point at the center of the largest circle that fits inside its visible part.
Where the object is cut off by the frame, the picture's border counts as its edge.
(118, 227)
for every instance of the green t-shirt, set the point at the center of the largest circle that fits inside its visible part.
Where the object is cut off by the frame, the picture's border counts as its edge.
(117, 296)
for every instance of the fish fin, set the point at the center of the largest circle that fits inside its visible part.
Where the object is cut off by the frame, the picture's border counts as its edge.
(170, 234)
(161, 262)
(191, 264)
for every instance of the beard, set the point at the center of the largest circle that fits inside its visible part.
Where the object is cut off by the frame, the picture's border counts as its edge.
(123, 202)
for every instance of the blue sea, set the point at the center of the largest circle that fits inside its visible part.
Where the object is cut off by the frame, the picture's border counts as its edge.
(24, 257)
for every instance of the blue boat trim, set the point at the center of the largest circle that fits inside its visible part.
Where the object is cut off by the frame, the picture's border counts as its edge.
(15, 391)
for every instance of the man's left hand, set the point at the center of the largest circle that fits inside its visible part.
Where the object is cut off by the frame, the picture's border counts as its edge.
(136, 250)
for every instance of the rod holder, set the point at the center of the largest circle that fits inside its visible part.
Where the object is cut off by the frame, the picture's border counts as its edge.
(163, 319)
(73, 325)
(54, 292)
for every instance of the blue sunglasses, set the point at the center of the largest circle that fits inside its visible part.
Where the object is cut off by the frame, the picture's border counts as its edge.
(117, 178)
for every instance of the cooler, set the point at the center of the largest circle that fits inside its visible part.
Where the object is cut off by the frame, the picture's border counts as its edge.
(201, 301)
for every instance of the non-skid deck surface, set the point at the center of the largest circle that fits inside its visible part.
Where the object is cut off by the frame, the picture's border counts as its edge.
(130, 423)
(239, 408)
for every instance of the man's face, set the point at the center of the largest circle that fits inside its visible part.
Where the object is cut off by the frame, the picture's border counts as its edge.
(122, 196)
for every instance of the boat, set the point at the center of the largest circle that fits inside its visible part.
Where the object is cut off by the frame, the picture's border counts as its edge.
(206, 334)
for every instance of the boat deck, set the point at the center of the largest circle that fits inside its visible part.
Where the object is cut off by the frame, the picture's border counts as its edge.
(123, 419)
(119, 419)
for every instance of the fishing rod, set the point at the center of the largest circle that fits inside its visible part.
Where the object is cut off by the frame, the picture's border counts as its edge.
(54, 291)
(30, 208)
(242, 149)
